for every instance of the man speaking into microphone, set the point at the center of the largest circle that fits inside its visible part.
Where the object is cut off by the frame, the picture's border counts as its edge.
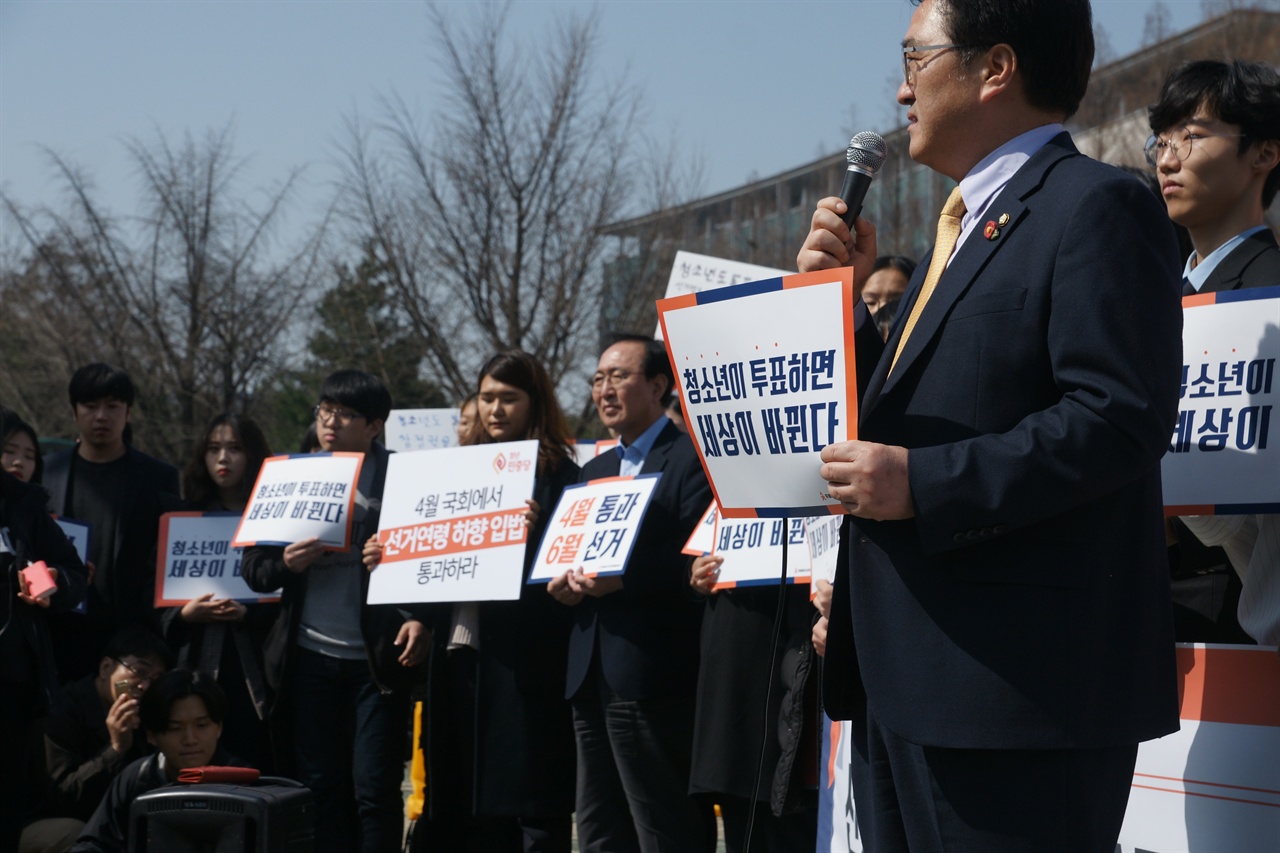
(1001, 634)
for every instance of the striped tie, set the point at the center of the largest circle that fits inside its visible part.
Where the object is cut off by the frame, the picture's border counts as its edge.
(948, 233)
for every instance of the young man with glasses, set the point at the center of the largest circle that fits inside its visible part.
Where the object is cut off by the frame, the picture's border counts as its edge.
(1216, 151)
(341, 668)
(1000, 631)
(92, 731)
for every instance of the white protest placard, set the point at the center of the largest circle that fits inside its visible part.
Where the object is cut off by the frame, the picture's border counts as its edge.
(77, 533)
(452, 524)
(194, 557)
(584, 450)
(752, 551)
(693, 273)
(1222, 457)
(302, 496)
(703, 538)
(1215, 783)
(767, 378)
(594, 527)
(823, 533)
(407, 430)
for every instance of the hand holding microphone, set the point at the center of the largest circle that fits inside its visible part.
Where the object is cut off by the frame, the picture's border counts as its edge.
(837, 238)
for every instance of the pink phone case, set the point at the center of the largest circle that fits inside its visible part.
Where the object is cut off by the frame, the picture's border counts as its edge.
(40, 580)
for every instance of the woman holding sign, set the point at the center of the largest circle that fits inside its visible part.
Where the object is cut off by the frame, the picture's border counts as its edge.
(224, 637)
(499, 734)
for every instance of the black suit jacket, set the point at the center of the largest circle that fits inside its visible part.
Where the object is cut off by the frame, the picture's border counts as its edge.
(1254, 263)
(122, 592)
(647, 633)
(1026, 605)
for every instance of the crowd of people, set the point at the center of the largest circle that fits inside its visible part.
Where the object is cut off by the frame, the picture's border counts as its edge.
(1000, 630)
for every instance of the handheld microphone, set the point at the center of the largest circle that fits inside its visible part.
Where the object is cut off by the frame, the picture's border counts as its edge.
(866, 154)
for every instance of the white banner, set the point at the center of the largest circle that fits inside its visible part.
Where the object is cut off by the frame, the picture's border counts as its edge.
(407, 430)
(594, 527)
(452, 526)
(302, 496)
(693, 273)
(1224, 456)
(194, 556)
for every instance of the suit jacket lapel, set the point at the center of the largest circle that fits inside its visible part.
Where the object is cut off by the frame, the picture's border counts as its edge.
(656, 458)
(968, 262)
(1228, 274)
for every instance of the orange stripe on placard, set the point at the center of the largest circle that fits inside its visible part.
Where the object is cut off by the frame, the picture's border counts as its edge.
(831, 757)
(1238, 685)
(453, 535)
(1207, 784)
(1189, 509)
(1206, 796)
(1199, 299)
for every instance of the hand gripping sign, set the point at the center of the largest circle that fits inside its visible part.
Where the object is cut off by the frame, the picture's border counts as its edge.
(594, 527)
(767, 378)
(1223, 456)
(302, 496)
(194, 556)
(452, 524)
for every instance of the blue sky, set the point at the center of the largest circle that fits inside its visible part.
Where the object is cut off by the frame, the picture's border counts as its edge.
(754, 86)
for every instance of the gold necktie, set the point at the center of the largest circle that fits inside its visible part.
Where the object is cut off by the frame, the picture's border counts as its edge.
(944, 245)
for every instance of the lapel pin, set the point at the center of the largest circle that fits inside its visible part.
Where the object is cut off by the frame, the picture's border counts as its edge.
(991, 232)
(1004, 220)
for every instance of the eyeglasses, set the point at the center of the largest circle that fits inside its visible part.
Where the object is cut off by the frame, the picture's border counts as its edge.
(340, 417)
(143, 675)
(909, 71)
(614, 378)
(1179, 147)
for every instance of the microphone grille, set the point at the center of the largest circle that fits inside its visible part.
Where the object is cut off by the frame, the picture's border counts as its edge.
(867, 150)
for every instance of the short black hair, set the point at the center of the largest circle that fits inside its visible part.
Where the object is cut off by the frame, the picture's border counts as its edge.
(358, 390)
(1053, 40)
(99, 381)
(656, 362)
(1246, 94)
(157, 703)
(140, 643)
(10, 424)
(904, 265)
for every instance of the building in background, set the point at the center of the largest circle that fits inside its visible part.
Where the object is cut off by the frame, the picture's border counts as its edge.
(765, 222)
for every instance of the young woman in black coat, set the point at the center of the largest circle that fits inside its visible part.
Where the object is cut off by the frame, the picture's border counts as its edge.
(499, 734)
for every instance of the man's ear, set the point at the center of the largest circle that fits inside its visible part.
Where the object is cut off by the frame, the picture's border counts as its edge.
(105, 666)
(1268, 155)
(998, 67)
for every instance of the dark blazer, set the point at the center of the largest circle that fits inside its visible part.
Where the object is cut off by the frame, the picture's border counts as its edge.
(1254, 263)
(647, 633)
(1026, 605)
(122, 593)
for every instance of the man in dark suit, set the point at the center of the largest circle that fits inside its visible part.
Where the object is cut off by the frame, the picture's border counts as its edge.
(1215, 146)
(633, 652)
(1001, 632)
(120, 492)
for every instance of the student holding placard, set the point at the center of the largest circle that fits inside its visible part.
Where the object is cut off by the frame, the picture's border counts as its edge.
(1216, 150)
(499, 735)
(341, 668)
(223, 636)
(737, 635)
